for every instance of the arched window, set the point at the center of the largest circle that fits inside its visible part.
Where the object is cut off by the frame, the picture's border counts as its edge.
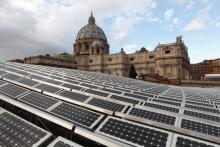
(97, 50)
(87, 47)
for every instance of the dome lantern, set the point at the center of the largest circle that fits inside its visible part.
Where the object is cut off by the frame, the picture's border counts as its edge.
(91, 20)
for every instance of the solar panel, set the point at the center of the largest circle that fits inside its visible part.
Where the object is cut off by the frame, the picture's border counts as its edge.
(171, 99)
(28, 82)
(77, 115)
(2, 66)
(63, 142)
(48, 88)
(89, 86)
(141, 108)
(74, 96)
(201, 127)
(53, 82)
(144, 94)
(38, 77)
(133, 133)
(106, 105)
(11, 69)
(12, 90)
(38, 100)
(2, 82)
(167, 102)
(111, 90)
(2, 72)
(124, 99)
(184, 141)
(162, 118)
(71, 81)
(136, 96)
(167, 108)
(56, 77)
(121, 89)
(202, 108)
(201, 104)
(72, 86)
(96, 92)
(16, 132)
(196, 100)
(202, 115)
(11, 76)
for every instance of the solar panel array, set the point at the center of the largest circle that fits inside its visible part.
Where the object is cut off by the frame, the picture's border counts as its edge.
(16, 132)
(109, 110)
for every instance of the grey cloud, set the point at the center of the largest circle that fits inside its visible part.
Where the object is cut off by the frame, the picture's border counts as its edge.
(50, 26)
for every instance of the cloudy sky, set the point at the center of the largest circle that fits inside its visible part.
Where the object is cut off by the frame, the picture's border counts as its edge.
(33, 27)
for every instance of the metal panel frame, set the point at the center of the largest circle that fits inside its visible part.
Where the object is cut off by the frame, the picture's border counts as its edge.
(69, 142)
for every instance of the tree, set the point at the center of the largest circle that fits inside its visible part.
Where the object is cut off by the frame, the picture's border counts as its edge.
(132, 73)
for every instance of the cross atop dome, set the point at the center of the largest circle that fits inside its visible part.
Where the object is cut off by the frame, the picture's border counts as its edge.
(91, 19)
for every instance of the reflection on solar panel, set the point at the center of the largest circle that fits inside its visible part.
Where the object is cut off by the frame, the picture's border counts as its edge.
(38, 100)
(133, 133)
(12, 90)
(74, 96)
(15, 132)
(76, 114)
(96, 109)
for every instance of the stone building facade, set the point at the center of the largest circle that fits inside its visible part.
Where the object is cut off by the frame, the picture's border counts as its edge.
(198, 70)
(91, 53)
(50, 61)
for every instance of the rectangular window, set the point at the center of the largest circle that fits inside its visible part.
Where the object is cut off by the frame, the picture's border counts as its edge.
(151, 57)
(167, 51)
(131, 59)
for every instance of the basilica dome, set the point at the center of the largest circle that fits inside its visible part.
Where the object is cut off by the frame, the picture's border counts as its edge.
(91, 31)
(91, 40)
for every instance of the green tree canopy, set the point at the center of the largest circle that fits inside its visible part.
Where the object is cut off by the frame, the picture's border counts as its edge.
(132, 73)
